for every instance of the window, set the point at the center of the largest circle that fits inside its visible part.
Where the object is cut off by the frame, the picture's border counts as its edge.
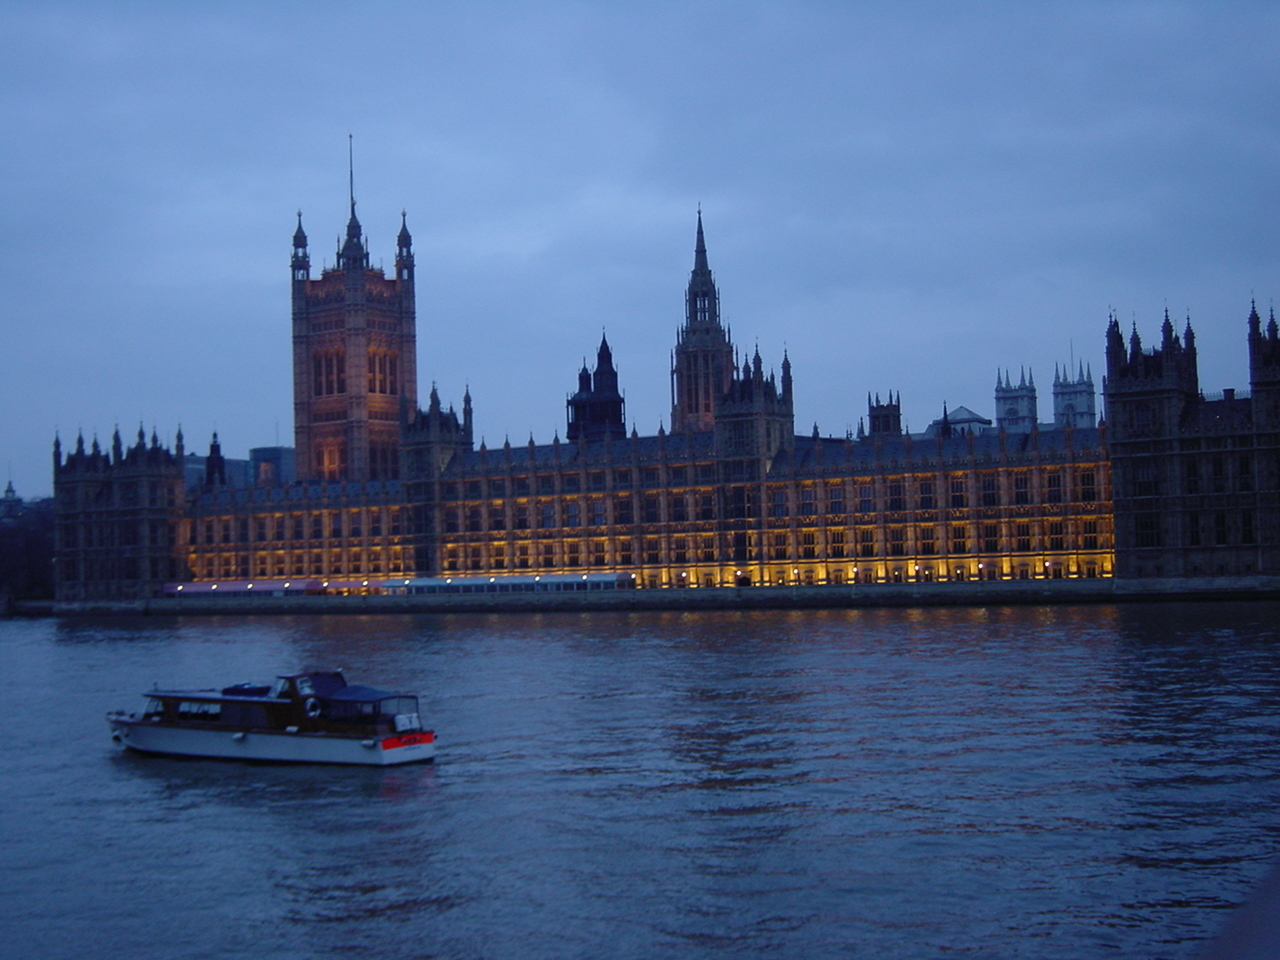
(1246, 527)
(1053, 488)
(959, 539)
(928, 544)
(546, 516)
(991, 491)
(497, 517)
(866, 498)
(598, 518)
(896, 500)
(835, 499)
(990, 537)
(809, 545)
(622, 511)
(1057, 538)
(897, 541)
(651, 550)
(706, 507)
(835, 545)
(680, 548)
(806, 501)
(1147, 527)
(779, 546)
(778, 506)
(1023, 533)
(679, 508)
(1021, 489)
(866, 542)
(572, 515)
(959, 500)
(650, 506)
(926, 495)
(1088, 486)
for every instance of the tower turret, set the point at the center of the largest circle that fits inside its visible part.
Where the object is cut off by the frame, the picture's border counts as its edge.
(702, 363)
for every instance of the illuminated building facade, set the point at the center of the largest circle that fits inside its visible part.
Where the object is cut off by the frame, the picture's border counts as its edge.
(730, 497)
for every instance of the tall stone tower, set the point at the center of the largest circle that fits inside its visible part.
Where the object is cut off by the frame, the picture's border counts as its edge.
(702, 366)
(596, 410)
(1264, 371)
(1074, 399)
(355, 375)
(1016, 403)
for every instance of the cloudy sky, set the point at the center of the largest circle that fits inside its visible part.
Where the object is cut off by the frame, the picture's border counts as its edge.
(906, 197)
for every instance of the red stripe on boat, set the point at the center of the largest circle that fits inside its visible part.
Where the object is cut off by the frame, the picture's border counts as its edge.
(408, 740)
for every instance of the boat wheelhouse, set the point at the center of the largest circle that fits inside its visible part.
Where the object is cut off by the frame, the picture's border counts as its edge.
(301, 718)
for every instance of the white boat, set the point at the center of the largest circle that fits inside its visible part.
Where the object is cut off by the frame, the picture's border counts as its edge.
(302, 718)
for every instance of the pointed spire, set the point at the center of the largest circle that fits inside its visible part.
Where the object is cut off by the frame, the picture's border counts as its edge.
(299, 235)
(700, 248)
(404, 239)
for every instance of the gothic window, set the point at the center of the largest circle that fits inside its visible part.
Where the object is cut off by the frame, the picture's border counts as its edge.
(990, 538)
(928, 544)
(1091, 535)
(1246, 526)
(959, 539)
(778, 507)
(680, 548)
(706, 507)
(597, 553)
(806, 501)
(779, 546)
(835, 499)
(896, 499)
(651, 551)
(1245, 473)
(622, 510)
(572, 516)
(497, 517)
(926, 495)
(650, 506)
(866, 542)
(809, 545)
(572, 483)
(573, 556)
(959, 500)
(1023, 533)
(991, 491)
(1192, 469)
(522, 517)
(546, 484)
(473, 519)
(1057, 535)
(547, 516)
(1147, 526)
(679, 508)
(708, 549)
(1219, 529)
(1088, 486)
(375, 522)
(866, 498)
(835, 546)
(598, 518)
(337, 526)
(1053, 488)
(897, 541)
(1021, 489)
(357, 528)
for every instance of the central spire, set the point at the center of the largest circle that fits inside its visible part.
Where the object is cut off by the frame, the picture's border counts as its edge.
(352, 254)
(702, 301)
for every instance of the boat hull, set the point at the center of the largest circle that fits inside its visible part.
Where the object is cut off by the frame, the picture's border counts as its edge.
(270, 745)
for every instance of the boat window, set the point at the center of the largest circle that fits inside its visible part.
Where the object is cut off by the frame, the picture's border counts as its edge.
(154, 708)
(198, 710)
(398, 705)
(279, 689)
(304, 687)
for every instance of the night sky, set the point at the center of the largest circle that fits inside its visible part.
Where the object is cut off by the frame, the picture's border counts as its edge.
(905, 197)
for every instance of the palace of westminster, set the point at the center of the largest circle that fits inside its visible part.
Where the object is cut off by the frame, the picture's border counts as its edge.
(1172, 483)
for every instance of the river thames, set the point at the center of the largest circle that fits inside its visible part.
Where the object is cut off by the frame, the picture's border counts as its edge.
(1037, 782)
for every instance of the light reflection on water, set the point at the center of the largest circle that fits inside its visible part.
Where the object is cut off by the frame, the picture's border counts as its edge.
(1029, 782)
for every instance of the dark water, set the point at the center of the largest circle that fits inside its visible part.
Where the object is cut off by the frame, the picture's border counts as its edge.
(1040, 783)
